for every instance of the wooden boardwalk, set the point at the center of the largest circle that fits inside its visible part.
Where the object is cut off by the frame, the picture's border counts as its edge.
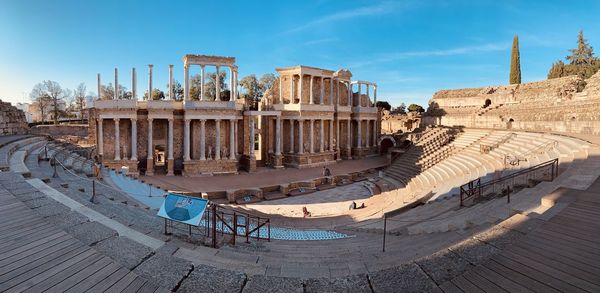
(561, 255)
(36, 256)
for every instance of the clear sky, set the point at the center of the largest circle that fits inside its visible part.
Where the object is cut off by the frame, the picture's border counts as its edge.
(410, 48)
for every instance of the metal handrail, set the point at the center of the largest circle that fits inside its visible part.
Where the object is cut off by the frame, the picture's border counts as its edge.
(475, 187)
(539, 149)
(486, 148)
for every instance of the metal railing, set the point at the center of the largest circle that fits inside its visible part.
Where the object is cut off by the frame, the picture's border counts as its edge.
(486, 148)
(515, 160)
(476, 189)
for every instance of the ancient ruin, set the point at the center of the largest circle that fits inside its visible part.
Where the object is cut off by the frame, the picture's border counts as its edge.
(12, 120)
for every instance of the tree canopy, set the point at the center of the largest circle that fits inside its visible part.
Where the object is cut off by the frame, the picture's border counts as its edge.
(400, 109)
(415, 108)
(50, 94)
(384, 105)
(255, 88)
(582, 61)
(515, 63)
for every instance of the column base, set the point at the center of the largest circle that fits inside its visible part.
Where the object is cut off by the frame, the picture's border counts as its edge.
(149, 167)
(278, 161)
(170, 167)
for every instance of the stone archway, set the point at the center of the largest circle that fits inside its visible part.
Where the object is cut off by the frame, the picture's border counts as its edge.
(385, 143)
(487, 103)
(509, 123)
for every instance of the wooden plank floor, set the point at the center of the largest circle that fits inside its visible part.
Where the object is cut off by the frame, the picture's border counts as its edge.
(562, 255)
(36, 256)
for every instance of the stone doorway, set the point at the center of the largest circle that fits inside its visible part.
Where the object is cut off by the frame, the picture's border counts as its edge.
(487, 103)
(509, 123)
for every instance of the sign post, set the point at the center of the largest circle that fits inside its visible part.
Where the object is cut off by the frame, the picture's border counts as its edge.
(183, 209)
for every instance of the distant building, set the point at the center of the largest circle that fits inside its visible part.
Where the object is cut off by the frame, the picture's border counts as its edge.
(25, 108)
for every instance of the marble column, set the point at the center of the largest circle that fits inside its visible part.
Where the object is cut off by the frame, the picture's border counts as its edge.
(311, 136)
(231, 139)
(367, 138)
(300, 90)
(134, 139)
(331, 135)
(217, 86)
(149, 97)
(202, 140)
(217, 139)
(117, 141)
(311, 90)
(171, 97)
(337, 98)
(291, 136)
(281, 89)
(150, 156)
(251, 147)
(100, 137)
(99, 87)
(133, 84)
(170, 161)
(186, 82)
(186, 139)
(321, 135)
(235, 84)
(375, 131)
(231, 89)
(331, 91)
(301, 136)
(359, 103)
(349, 140)
(337, 136)
(235, 129)
(201, 98)
(350, 98)
(322, 98)
(116, 93)
(358, 134)
(292, 89)
(170, 141)
(374, 95)
(278, 136)
(368, 96)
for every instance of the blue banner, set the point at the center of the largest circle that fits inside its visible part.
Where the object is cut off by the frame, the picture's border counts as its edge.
(184, 209)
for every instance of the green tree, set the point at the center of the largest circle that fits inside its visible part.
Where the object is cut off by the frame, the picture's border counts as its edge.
(384, 105)
(255, 88)
(415, 108)
(177, 90)
(156, 95)
(515, 63)
(581, 61)
(108, 92)
(583, 54)
(400, 109)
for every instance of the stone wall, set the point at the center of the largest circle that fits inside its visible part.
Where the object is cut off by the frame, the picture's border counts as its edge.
(393, 123)
(79, 130)
(12, 120)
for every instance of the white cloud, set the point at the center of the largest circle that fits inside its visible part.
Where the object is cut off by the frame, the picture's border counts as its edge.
(319, 41)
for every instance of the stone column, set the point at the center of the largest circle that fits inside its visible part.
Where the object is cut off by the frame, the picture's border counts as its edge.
(349, 141)
(231, 139)
(337, 100)
(201, 98)
(359, 96)
(368, 96)
(235, 129)
(217, 139)
(170, 162)
(331, 91)
(291, 136)
(235, 84)
(367, 143)
(321, 135)
(374, 95)
(171, 97)
(116, 93)
(231, 89)
(292, 89)
(300, 89)
(117, 141)
(337, 137)
(322, 98)
(278, 136)
(331, 135)
(350, 98)
(133, 84)
(99, 87)
(202, 140)
(280, 89)
(311, 90)
(100, 136)
(300, 136)
(311, 136)
(150, 81)
(251, 147)
(186, 139)
(186, 82)
(375, 131)
(150, 157)
(134, 139)
(217, 86)
(358, 134)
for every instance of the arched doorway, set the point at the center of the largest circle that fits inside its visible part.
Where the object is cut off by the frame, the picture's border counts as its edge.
(509, 123)
(487, 103)
(386, 143)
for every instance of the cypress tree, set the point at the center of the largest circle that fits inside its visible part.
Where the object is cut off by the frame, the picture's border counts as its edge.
(515, 63)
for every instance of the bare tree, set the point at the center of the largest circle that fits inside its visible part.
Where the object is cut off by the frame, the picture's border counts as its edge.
(41, 100)
(79, 99)
(108, 92)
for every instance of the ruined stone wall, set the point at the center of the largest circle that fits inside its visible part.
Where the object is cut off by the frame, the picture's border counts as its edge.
(271, 95)
(12, 120)
(393, 123)
(54, 131)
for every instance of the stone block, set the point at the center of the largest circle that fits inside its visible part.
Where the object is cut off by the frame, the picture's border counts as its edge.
(91, 233)
(208, 279)
(355, 284)
(164, 270)
(403, 278)
(267, 284)
(123, 250)
(443, 265)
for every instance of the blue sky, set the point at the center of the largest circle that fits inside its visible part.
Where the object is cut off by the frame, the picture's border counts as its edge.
(410, 48)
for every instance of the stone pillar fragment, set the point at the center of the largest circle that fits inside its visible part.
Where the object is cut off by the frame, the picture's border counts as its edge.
(150, 157)
(134, 139)
(186, 139)
(149, 97)
(133, 84)
(231, 139)
(171, 97)
(116, 93)
(202, 140)
(217, 139)
(278, 136)
(170, 161)
(117, 140)
(201, 98)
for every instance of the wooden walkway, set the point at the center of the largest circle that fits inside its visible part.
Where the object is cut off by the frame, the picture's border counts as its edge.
(36, 256)
(561, 255)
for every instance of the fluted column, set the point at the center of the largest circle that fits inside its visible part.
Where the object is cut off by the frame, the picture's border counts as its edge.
(235, 129)
(231, 139)
(321, 136)
(171, 97)
(149, 97)
(217, 86)
(231, 89)
(202, 140)
(368, 96)
(331, 135)
(217, 139)
(281, 89)
(201, 98)
(349, 141)
(359, 103)
(374, 95)
(291, 136)
(350, 98)
(337, 136)
(358, 134)
(337, 98)
(134, 139)
(311, 90)
(367, 138)
(278, 136)
(186, 139)
(322, 98)
(170, 142)
(116, 93)
(311, 135)
(99, 87)
(133, 84)
(150, 156)
(170, 161)
(117, 141)
(100, 137)
(251, 147)
(300, 136)
(186, 82)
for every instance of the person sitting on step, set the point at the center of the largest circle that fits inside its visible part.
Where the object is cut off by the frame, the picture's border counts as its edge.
(306, 212)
